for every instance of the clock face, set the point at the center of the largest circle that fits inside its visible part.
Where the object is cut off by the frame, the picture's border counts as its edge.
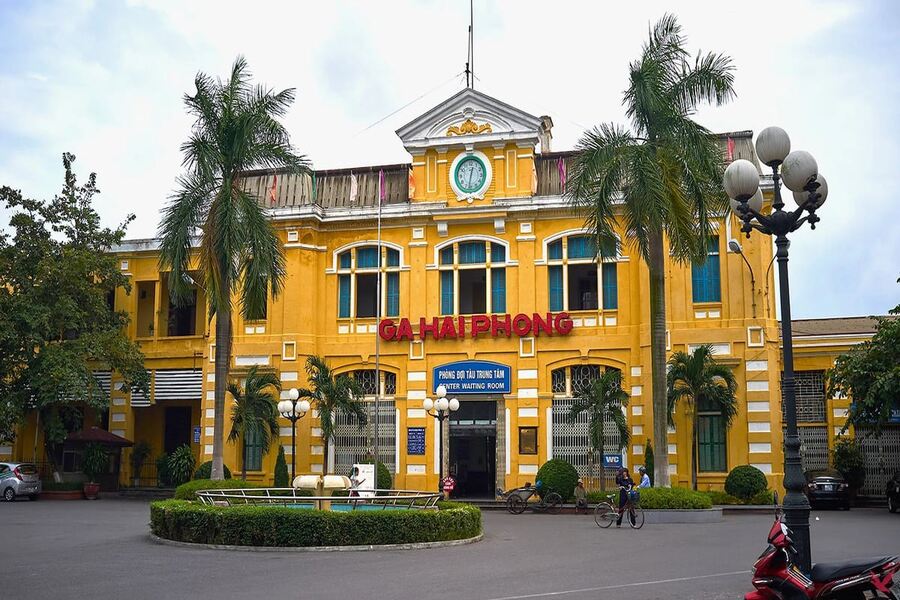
(470, 174)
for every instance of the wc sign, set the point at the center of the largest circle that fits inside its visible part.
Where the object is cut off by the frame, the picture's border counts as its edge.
(612, 461)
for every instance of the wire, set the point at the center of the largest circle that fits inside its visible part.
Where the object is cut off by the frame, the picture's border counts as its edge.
(411, 102)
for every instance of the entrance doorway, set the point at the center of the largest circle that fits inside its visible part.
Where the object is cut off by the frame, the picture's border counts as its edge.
(178, 428)
(473, 448)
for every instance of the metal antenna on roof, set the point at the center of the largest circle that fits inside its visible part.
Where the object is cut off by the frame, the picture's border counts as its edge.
(470, 64)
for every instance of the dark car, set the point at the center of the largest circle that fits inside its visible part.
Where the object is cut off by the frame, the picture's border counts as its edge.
(893, 493)
(827, 487)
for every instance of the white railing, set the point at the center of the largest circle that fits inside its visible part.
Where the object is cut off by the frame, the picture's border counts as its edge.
(383, 499)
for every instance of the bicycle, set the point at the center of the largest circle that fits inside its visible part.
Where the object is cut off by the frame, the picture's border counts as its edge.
(517, 500)
(606, 512)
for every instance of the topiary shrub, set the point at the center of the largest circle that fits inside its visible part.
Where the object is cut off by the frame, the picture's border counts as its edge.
(250, 525)
(204, 471)
(848, 459)
(649, 460)
(745, 481)
(181, 465)
(187, 491)
(282, 479)
(558, 476)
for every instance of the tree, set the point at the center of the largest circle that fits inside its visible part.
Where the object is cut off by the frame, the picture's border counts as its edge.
(603, 399)
(331, 395)
(869, 373)
(239, 253)
(698, 382)
(254, 412)
(282, 479)
(58, 281)
(661, 180)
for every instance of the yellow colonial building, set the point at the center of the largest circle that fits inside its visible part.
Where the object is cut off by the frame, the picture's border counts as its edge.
(490, 286)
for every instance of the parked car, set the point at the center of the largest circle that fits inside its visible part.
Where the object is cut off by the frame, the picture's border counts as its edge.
(19, 479)
(893, 493)
(827, 487)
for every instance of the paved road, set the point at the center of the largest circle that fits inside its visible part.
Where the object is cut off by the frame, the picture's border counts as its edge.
(101, 550)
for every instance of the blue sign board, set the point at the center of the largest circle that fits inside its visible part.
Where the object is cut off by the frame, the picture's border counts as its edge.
(612, 461)
(415, 440)
(895, 415)
(473, 377)
(196, 435)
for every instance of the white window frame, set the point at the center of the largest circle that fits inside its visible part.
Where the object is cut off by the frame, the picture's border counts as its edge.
(456, 267)
(353, 271)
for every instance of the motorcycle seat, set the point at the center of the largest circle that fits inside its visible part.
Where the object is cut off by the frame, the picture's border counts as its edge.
(829, 571)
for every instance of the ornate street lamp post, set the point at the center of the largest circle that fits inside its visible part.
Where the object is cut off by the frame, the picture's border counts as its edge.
(800, 174)
(293, 411)
(440, 408)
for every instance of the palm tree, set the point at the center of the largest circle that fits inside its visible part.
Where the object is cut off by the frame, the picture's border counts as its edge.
(254, 412)
(604, 400)
(663, 179)
(332, 394)
(700, 383)
(236, 129)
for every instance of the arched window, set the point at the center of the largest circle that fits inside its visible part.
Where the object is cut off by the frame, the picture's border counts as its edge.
(569, 381)
(577, 281)
(365, 378)
(473, 277)
(358, 272)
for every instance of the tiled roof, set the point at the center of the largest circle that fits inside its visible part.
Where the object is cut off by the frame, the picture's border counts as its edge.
(834, 326)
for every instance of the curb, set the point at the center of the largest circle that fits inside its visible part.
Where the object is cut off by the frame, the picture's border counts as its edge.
(413, 546)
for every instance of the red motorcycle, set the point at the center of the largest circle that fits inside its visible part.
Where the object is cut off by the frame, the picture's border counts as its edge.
(776, 576)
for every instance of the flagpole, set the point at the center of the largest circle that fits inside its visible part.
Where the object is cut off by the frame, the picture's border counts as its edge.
(378, 321)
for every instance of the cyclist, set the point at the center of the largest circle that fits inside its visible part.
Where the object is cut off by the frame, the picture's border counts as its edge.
(625, 483)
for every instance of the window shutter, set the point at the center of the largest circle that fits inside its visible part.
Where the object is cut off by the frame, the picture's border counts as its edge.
(446, 292)
(344, 296)
(556, 288)
(393, 294)
(498, 290)
(610, 287)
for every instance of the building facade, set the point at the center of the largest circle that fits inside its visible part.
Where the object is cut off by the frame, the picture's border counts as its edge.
(490, 285)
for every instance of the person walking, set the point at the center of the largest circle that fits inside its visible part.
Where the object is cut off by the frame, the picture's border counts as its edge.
(625, 483)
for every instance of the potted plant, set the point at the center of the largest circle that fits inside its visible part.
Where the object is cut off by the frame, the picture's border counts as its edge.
(139, 454)
(94, 462)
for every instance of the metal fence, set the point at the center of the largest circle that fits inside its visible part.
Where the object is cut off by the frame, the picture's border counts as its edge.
(353, 445)
(882, 457)
(292, 497)
(571, 443)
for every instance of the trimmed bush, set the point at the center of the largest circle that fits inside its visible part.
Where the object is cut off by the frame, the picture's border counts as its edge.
(649, 460)
(187, 491)
(204, 471)
(282, 479)
(764, 497)
(558, 476)
(745, 481)
(720, 498)
(673, 498)
(281, 526)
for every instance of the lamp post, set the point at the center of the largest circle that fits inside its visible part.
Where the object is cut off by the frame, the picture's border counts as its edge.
(800, 174)
(293, 411)
(440, 408)
(735, 247)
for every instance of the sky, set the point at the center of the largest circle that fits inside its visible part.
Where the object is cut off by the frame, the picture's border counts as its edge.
(105, 81)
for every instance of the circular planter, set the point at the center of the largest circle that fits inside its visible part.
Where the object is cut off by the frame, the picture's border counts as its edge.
(62, 495)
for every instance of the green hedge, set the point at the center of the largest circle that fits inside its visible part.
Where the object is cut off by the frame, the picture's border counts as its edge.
(204, 471)
(281, 526)
(721, 498)
(661, 498)
(187, 491)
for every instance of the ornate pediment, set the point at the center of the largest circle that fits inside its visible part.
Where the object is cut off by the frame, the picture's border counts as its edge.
(469, 117)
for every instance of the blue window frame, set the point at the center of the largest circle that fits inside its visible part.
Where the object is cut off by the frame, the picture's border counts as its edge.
(446, 292)
(366, 257)
(498, 290)
(344, 260)
(393, 258)
(706, 283)
(498, 253)
(447, 255)
(393, 295)
(556, 288)
(610, 287)
(582, 246)
(344, 296)
(554, 250)
(471, 253)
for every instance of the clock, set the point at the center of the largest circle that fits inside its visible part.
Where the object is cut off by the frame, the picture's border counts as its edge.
(470, 175)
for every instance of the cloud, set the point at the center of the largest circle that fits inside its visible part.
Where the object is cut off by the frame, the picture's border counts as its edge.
(105, 80)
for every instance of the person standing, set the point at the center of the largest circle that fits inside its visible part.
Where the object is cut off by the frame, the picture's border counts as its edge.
(625, 483)
(645, 479)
